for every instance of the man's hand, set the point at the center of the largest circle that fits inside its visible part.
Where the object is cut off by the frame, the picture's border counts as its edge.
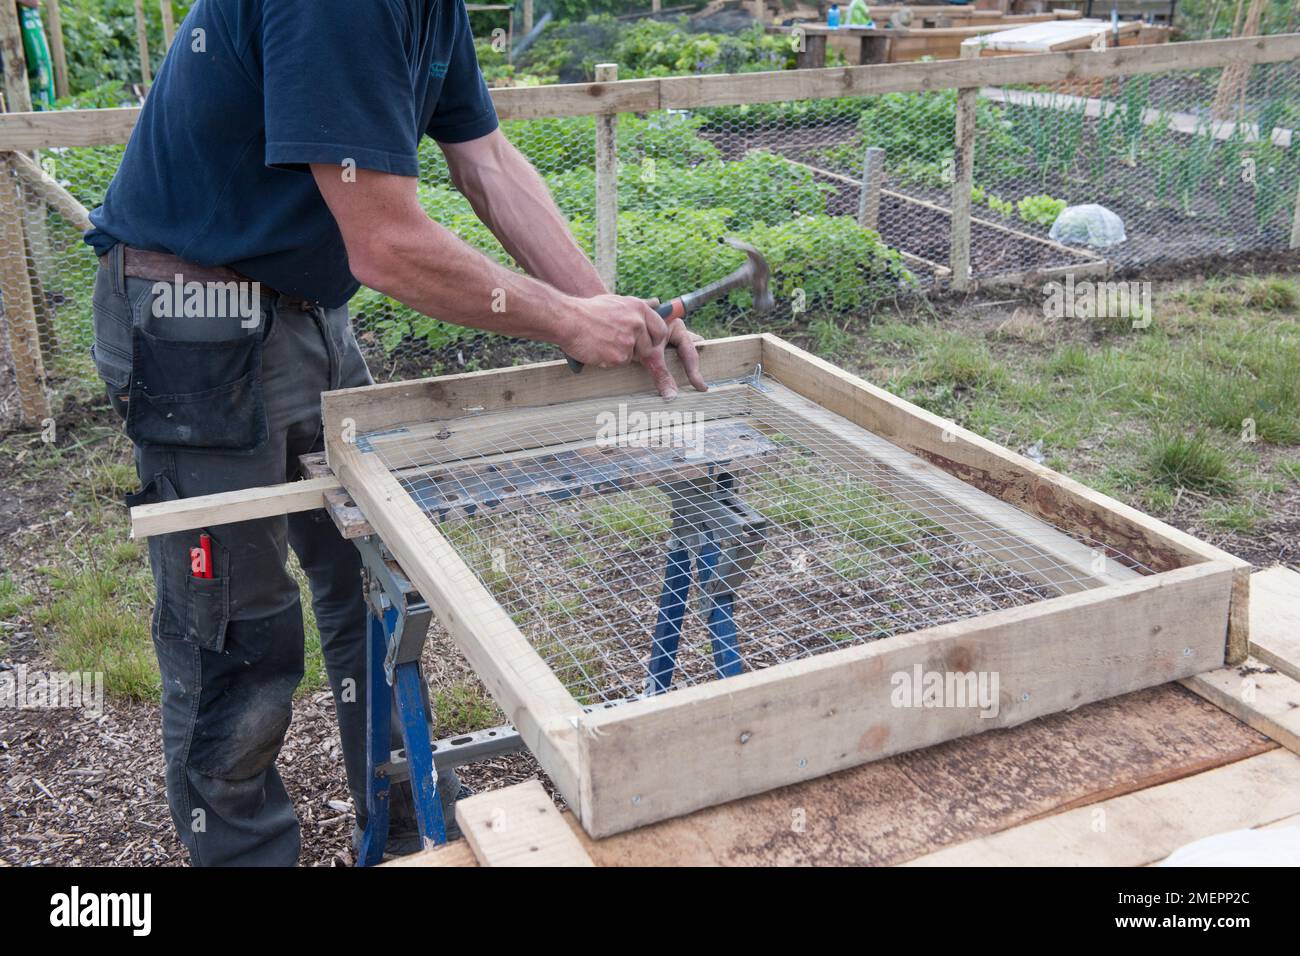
(684, 341)
(611, 330)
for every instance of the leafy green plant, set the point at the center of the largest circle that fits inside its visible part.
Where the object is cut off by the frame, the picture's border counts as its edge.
(1040, 210)
(1004, 206)
(99, 37)
(761, 187)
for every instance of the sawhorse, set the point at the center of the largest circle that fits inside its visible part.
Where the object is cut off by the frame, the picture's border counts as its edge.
(398, 626)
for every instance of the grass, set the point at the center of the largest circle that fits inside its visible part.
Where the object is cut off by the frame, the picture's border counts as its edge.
(798, 499)
(1179, 460)
(1139, 413)
(462, 708)
(89, 594)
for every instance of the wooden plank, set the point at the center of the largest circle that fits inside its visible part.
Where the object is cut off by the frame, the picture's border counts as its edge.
(357, 411)
(28, 131)
(518, 826)
(42, 184)
(482, 434)
(902, 807)
(576, 99)
(247, 504)
(511, 670)
(905, 806)
(58, 56)
(456, 853)
(993, 527)
(687, 92)
(810, 717)
(1143, 827)
(607, 186)
(1257, 695)
(19, 305)
(1096, 267)
(1275, 619)
(1032, 487)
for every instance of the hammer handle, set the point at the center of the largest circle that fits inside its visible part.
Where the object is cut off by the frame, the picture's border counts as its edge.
(668, 311)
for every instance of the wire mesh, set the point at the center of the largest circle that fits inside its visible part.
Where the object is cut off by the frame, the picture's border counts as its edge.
(1194, 165)
(773, 530)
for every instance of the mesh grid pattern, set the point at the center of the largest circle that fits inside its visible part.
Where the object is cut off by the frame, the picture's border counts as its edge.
(573, 517)
(786, 177)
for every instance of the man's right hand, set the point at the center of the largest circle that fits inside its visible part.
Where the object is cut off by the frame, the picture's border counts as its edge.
(611, 330)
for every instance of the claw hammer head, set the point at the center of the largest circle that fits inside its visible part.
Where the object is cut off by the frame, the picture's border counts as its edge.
(753, 275)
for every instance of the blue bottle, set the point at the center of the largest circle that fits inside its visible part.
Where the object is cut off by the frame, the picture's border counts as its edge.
(833, 16)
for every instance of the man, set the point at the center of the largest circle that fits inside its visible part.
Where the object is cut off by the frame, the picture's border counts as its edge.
(276, 159)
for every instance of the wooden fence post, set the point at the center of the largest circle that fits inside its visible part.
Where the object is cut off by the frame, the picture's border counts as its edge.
(168, 24)
(962, 180)
(873, 171)
(1295, 220)
(54, 28)
(528, 17)
(19, 307)
(606, 185)
(142, 42)
(18, 94)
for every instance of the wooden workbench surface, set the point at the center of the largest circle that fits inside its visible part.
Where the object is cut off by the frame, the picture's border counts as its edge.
(897, 809)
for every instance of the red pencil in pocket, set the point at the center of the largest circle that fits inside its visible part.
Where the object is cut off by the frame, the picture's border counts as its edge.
(201, 558)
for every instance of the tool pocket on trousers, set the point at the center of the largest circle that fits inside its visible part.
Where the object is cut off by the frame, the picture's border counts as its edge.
(188, 608)
(196, 394)
(207, 611)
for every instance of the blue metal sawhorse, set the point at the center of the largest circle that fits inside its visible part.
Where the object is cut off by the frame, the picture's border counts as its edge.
(397, 628)
(722, 537)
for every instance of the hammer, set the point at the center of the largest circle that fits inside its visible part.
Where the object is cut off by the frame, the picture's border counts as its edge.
(753, 275)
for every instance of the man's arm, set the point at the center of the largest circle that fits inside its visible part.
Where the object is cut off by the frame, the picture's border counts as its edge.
(513, 201)
(395, 248)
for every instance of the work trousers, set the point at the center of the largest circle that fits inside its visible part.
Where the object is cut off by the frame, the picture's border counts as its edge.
(220, 401)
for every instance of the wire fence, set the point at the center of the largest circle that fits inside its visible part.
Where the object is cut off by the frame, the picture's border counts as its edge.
(850, 198)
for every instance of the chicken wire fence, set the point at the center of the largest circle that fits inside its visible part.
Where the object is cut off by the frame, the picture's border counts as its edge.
(640, 550)
(788, 177)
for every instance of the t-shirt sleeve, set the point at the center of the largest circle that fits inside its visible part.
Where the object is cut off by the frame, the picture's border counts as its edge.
(464, 109)
(337, 85)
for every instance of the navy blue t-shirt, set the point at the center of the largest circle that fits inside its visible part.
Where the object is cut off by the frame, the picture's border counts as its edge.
(252, 91)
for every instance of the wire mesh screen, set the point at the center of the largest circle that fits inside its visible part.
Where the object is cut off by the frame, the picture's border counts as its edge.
(1193, 163)
(642, 547)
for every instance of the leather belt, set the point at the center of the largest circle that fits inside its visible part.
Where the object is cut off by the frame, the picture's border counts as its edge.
(164, 267)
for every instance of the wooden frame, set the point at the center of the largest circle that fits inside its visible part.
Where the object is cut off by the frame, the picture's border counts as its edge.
(661, 757)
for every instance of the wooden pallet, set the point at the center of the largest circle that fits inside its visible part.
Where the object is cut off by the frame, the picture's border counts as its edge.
(624, 767)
